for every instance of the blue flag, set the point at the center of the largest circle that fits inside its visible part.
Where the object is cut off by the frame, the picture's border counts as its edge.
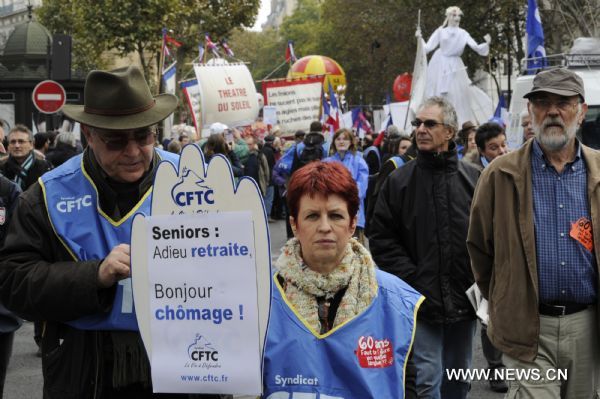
(388, 101)
(535, 38)
(501, 105)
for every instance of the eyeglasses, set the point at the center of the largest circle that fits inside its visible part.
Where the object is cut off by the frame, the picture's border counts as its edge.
(545, 104)
(429, 123)
(142, 137)
(18, 141)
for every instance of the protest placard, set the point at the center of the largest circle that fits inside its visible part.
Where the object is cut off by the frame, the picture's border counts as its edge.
(235, 212)
(203, 304)
(298, 101)
(270, 115)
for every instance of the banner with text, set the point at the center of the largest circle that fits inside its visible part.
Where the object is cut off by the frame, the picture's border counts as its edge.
(227, 94)
(298, 102)
(203, 311)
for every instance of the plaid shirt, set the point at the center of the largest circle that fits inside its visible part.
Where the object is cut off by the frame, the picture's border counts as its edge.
(566, 269)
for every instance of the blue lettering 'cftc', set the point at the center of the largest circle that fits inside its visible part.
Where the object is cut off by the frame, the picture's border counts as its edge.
(187, 198)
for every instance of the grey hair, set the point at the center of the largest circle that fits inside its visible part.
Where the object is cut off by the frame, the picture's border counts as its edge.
(392, 129)
(22, 129)
(448, 111)
(67, 138)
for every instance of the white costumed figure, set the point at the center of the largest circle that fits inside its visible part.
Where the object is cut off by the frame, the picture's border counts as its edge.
(447, 74)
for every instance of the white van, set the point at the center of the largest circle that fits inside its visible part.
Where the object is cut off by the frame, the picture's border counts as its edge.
(585, 65)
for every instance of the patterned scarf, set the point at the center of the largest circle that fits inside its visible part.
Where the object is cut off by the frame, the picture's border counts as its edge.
(21, 171)
(303, 286)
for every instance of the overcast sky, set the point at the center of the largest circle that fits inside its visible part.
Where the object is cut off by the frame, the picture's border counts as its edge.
(263, 12)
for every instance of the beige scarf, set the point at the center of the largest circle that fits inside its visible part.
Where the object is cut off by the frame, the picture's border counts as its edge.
(303, 286)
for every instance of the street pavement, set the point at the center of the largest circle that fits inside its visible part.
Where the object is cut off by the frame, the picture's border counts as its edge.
(24, 377)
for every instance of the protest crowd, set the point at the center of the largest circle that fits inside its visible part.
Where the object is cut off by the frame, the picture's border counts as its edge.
(401, 242)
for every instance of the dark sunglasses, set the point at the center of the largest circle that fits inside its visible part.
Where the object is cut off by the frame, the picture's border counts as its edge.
(142, 137)
(429, 123)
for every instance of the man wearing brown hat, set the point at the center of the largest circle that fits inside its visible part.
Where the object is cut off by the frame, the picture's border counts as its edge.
(531, 240)
(66, 257)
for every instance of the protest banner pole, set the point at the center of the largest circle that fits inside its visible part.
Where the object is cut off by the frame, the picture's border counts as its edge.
(412, 86)
(274, 70)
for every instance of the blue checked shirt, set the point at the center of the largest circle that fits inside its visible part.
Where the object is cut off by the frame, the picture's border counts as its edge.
(566, 269)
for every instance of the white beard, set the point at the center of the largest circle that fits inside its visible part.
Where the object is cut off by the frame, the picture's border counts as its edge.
(554, 138)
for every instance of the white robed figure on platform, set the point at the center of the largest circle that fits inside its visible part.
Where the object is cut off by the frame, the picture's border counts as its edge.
(447, 74)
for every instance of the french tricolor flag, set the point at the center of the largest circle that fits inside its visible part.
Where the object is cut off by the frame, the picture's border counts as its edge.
(211, 46)
(290, 56)
(226, 47)
(334, 114)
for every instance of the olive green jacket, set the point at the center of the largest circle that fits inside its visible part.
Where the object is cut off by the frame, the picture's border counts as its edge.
(501, 244)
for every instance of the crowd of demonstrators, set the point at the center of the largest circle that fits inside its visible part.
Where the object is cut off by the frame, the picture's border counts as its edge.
(418, 233)
(522, 231)
(23, 165)
(343, 149)
(532, 250)
(326, 279)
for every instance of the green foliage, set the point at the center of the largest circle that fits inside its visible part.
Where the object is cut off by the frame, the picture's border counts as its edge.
(262, 50)
(134, 26)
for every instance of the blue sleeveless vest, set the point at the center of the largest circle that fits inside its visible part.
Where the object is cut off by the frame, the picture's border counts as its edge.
(88, 233)
(362, 358)
(398, 161)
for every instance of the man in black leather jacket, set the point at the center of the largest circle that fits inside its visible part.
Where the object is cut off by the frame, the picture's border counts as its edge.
(418, 233)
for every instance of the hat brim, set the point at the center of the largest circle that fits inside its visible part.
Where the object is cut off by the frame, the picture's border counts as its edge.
(164, 105)
(566, 93)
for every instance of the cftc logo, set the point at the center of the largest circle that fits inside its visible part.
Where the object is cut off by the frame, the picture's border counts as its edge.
(68, 205)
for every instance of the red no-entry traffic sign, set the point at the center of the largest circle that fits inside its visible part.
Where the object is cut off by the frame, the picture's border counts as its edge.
(49, 97)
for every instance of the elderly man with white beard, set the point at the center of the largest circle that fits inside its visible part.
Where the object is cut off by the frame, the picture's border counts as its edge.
(533, 221)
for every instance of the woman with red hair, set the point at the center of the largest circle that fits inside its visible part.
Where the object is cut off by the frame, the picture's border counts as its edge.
(339, 326)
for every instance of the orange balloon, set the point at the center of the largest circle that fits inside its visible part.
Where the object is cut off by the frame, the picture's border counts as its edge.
(401, 87)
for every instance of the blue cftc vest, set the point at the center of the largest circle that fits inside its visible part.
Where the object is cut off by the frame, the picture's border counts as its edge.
(360, 359)
(89, 234)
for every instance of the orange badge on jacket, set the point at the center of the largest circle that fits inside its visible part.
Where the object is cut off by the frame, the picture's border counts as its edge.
(581, 230)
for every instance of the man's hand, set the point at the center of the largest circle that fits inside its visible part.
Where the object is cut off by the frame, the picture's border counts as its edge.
(487, 38)
(115, 267)
(418, 33)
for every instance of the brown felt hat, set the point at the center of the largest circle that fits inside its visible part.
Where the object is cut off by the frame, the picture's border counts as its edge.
(559, 81)
(120, 100)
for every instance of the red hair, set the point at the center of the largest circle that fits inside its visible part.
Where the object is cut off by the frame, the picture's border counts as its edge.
(322, 178)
